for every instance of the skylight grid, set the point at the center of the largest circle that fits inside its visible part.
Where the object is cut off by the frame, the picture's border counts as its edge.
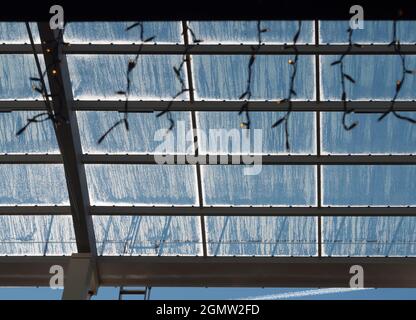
(223, 78)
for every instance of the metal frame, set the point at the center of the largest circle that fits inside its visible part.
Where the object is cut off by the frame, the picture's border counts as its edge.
(194, 271)
(271, 211)
(306, 272)
(215, 106)
(67, 135)
(229, 49)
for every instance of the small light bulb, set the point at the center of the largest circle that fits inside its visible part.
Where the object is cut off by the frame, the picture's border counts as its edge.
(48, 50)
(291, 61)
(54, 71)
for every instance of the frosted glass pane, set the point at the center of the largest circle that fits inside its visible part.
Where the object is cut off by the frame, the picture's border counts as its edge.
(38, 137)
(272, 185)
(16, 32)
(147, 235)
(375, 77)
(37, 235)
(370, 135)
(373, 32)
(261, 236)
(224, 135)
(377, 185)
(225, 77)
(101, 76)
(147, 134)
(15, 73)
(115, 32)
(33, 184)
(246, 31)
(141, 184)
(369, 236)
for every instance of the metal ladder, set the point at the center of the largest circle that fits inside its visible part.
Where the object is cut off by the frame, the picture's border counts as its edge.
(145, 292)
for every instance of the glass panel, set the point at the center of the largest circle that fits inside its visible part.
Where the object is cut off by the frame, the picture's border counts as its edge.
(147, 134)
(246, 31)
(16, 32)
(33, 184)
(373, 32)
(220, 77)
(147, 235)
(37, 235)
(391, 135)
(15, 73)
(38, 137)
(223, 134)
(115, 32)
(377, 185)
(369, 236)
(141, 184)
(279, 185)
(375, 77)
(101, 76)
(261, 236)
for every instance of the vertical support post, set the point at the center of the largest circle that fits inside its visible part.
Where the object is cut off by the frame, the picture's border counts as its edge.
(318, 137)
(194, 128)
(80, 281)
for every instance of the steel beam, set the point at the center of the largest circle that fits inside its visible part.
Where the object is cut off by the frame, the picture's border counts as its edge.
(216, 106)
(67, 135)
(218, 49)
(252, 211)
(81, 280)
(214, 211)
(190, 77)
(30, 158)
(264, 160)
(220, 271)
(35, 210)
(225, 159)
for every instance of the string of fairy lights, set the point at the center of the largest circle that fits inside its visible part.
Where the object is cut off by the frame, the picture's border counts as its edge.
(179, 74)
(247, 93)
(131, 65)
(399, 83)
(291, 91)
(39, 85)
(344, 76)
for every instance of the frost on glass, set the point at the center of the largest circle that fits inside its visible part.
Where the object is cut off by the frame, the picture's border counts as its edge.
(16, 33)
(33, 184)
(146, 134)
(391, 135)
(261, 236)
(219, 77)
(115, 32)
(102, 76)
(148, 185)
(369, 236)
(246, 31)
(225, 136)
(277, 185)
(372, 185)
(377, 32)
(37, 138)
(15, 73)
(147, 235)
(375, 77)
(37, 235)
